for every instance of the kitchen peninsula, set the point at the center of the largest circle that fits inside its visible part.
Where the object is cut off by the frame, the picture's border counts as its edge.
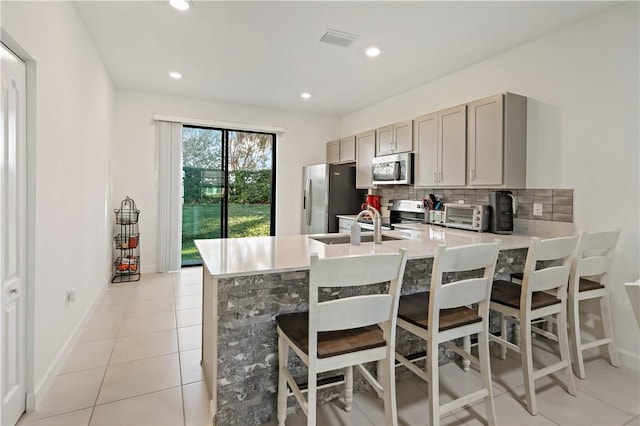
(248, 281)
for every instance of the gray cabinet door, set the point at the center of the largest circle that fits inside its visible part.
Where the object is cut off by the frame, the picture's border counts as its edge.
(426, 150)
(333, 152)
(384, 140)
(365, 151)
(348, 150)
(403, 136)
(452, 141)
(485, 141)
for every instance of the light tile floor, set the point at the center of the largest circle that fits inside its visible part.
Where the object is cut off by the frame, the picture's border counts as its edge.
(137, 363)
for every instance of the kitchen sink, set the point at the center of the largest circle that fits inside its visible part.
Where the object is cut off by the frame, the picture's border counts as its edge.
(346, 239)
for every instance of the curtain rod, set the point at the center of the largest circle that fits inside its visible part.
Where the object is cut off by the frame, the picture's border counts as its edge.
(218, 124)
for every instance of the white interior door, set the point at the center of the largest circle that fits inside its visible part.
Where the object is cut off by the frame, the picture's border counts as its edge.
(13, 237)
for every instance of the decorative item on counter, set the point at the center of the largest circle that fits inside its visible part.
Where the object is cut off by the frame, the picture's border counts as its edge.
(432, 203)
(355, 235)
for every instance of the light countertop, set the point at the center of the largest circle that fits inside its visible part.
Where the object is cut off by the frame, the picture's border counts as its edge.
(232, 257)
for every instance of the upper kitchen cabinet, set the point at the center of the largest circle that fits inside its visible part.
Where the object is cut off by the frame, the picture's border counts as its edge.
(365, 151)
(394, 138)
(341, 151)
(497, 141)
(348, 150)
(333, 152)
(425, 157)
(441, 144)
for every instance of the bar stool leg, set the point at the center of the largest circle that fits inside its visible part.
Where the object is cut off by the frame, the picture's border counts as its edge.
(485, 373)
(466, 345)
(379, 373)
(312, 396)
(283, 359)
(503, 334)
(348, 388)
(526, 352)
(576, 340)
(607, 325)
(434, 383)
(563, 340)
(387, 379)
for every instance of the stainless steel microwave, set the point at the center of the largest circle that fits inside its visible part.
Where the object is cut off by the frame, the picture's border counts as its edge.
(396, 169)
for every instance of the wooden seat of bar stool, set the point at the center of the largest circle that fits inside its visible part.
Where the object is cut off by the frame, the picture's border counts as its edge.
(341, 333)
(444, 314)
(526, 303)
(589, 280)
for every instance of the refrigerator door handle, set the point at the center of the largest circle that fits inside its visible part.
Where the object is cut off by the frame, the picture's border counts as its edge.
(309, 202)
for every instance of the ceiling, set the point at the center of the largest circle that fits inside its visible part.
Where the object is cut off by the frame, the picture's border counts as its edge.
(267, 53)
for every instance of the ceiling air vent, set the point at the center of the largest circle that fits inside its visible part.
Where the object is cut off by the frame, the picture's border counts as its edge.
(338, 38)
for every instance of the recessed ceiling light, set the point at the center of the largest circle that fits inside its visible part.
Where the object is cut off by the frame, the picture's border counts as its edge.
(175, 75)
(372, 52)
(180, 4)
(305, 95)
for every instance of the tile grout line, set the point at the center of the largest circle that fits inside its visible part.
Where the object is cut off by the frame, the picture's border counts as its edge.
(107, 366)
(184, 414)
(136, 396)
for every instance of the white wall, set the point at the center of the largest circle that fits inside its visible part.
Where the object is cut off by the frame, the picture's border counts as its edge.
(74, 108)
(583, 89)
(302, 143)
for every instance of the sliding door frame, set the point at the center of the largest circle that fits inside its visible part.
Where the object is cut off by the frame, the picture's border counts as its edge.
(224, 208)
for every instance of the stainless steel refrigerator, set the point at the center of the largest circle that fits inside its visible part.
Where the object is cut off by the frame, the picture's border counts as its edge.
(328, 190)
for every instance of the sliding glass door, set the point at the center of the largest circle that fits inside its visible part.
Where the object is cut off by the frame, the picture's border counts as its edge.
(228, 186)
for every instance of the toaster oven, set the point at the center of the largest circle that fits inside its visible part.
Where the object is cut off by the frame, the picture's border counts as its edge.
(473, 217)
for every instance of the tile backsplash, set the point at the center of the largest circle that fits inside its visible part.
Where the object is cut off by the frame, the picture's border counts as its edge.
(557, 204)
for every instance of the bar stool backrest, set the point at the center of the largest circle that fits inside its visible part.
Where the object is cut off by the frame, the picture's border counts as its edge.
(466, 291)
(357, 311)
(553, 277)
(593, 256)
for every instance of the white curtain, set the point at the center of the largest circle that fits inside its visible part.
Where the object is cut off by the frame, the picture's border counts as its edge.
(169, 173)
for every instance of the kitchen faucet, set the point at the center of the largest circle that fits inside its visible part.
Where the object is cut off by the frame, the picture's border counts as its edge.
(377, 222)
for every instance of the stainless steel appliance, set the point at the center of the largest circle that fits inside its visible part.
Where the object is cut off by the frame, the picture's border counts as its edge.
(400, 212)
(393, 169)
(328, 190)
(502, 207)
(407, 211)
(436, 217)
(473, 217)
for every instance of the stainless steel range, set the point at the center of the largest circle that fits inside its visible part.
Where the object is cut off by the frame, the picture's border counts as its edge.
(407, 211)
(401, 211)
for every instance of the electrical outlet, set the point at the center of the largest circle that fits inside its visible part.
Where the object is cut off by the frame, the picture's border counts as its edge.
(71, 295)
(537, 209)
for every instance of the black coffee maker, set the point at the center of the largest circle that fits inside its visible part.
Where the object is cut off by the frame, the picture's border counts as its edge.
(501, 203)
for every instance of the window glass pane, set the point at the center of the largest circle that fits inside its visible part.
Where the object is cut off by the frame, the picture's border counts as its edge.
(203, 183)
(250, 177)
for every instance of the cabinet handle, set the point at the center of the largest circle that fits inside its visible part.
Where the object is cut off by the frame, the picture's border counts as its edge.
(473, 174)
(439, 176)
(435, 177)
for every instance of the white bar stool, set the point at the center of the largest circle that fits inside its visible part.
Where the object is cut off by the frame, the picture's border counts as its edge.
(341, 333)
(589, 280)
(543, 293)
(442, 315)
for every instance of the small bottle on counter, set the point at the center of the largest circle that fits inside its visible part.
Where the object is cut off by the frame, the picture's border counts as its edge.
(355, 234)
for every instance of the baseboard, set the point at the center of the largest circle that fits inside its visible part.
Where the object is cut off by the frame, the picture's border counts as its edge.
(629, 359)
(34, 399)
(148, 269)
